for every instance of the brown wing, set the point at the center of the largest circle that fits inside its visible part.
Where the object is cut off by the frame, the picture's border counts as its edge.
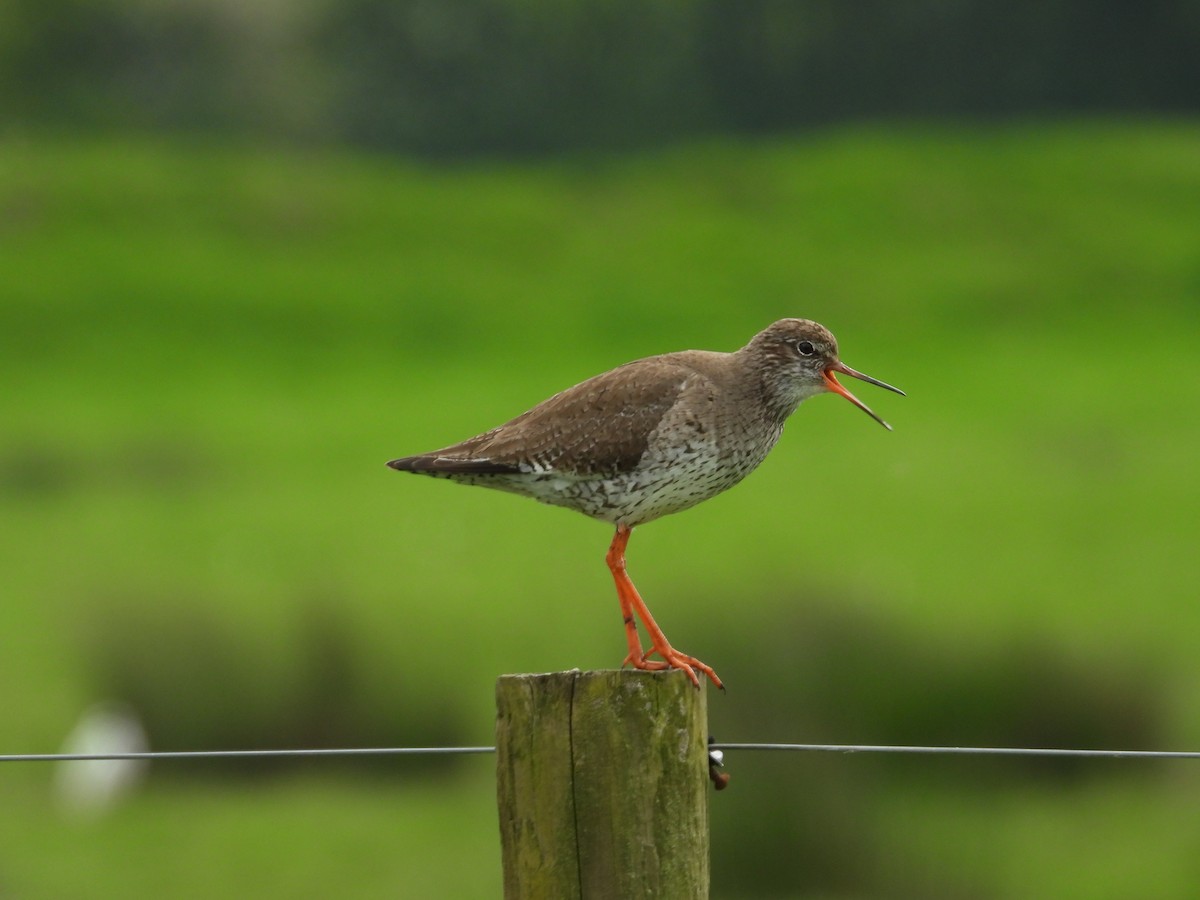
(599, 426)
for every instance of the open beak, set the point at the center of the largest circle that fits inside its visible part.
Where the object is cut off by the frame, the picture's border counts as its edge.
(836, 386)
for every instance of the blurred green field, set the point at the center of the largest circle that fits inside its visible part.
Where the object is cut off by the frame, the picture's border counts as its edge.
(208, 353)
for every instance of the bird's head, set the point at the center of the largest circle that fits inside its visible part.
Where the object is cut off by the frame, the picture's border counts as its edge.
(799, 359)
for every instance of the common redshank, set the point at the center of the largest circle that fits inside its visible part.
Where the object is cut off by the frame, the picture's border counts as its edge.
(650, 438)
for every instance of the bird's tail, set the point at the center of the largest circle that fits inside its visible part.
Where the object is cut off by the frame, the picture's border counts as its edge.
(432, 464)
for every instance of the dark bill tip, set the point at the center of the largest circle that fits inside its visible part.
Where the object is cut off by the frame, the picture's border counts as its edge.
(838, 388)
(854, 373)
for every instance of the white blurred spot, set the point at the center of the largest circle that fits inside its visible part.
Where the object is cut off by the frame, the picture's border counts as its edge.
(86, 789)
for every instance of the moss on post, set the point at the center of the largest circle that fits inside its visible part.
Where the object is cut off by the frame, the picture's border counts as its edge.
(602, 785)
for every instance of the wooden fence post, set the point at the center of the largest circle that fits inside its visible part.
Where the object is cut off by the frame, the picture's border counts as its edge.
(602, 782)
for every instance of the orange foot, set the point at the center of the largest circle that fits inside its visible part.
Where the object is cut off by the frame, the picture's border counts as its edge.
(673, 660)
(676, 660)
(637, 659)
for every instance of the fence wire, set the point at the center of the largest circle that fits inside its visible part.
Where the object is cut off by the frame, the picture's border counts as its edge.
(716, 745)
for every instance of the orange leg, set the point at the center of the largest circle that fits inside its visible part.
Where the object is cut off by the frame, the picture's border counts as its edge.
(631, 604)
(625, 592)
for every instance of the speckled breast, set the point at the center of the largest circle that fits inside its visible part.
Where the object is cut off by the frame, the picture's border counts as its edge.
(670, 477)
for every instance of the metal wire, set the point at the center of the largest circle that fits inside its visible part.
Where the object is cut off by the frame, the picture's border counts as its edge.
(449, 751)
(965, 751)
(243, 754)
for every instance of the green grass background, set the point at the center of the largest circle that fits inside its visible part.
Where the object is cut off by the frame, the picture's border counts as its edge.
(207, 353)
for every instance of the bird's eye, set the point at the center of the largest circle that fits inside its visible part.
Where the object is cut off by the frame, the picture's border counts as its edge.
(806, 348)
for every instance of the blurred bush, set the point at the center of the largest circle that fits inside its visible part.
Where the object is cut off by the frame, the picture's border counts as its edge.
(198, 682)
(449, 77)
(828, 672)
